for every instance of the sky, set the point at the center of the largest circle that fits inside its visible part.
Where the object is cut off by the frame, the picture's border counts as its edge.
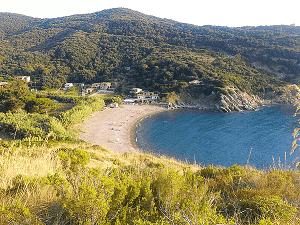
(231, 13)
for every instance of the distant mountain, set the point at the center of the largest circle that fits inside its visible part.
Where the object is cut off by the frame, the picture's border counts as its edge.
(133, 49)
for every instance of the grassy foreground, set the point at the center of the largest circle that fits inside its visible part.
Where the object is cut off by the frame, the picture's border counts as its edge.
(78, 183)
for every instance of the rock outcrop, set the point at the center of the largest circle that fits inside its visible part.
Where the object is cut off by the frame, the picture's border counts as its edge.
(236, 100)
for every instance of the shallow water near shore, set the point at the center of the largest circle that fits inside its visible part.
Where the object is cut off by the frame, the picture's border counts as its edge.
(262, 138)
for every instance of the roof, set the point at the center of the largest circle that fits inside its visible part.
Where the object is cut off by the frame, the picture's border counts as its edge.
(129, 100)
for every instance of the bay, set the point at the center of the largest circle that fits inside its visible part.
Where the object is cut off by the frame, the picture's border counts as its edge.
(261, 138)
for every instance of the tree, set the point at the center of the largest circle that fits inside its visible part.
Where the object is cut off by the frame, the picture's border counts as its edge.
(43, 105)
(11, 96)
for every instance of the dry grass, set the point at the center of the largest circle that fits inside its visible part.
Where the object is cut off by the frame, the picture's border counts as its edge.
(21, 161)
(38, 161)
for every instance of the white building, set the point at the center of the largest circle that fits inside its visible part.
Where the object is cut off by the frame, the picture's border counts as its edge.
(136, 90)
(68, 86)
(25, 78)
(147, 96)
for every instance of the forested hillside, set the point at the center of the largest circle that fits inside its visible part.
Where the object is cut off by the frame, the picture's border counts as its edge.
(129, 48)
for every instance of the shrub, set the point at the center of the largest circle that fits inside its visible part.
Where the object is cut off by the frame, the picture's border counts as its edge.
(23, 183)
(17, 214)
(23, 125)
(85, 192)
(111, 196)
(81, 111)
(273, 208)
(251, 196)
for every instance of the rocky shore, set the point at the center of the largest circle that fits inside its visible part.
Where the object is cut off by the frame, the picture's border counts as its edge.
(237, 100)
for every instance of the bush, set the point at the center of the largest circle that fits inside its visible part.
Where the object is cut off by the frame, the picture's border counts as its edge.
(259, 208)
(17, 214)
(85, 192)
(23, 125)
(111, 196)
(252, 196)
(81, 111)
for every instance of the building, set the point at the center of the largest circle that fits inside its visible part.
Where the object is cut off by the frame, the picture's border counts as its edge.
(81, 85)
(25, 78)
(101, 86)
(68, 86)
(147, 96)
(95, 85)
(195, 82)
(105, 85)
(135, 91)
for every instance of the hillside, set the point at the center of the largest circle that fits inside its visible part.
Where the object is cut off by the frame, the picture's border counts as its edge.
(131, 49)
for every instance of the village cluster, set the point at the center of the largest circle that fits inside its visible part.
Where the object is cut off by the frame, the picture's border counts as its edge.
(135, 95)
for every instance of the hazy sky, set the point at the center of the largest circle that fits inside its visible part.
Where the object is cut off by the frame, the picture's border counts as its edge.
(233, 13)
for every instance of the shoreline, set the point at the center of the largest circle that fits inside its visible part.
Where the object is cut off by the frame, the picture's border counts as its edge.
(132, 131)
(114, 128)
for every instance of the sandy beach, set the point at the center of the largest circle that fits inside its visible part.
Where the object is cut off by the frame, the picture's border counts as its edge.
(113, 128)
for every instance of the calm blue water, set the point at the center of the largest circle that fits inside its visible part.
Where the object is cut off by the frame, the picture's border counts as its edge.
(222, 138)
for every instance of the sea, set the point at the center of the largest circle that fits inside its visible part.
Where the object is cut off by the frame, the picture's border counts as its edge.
(261, 138)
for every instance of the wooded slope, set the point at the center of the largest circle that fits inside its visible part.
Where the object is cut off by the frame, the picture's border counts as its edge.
(133, 49)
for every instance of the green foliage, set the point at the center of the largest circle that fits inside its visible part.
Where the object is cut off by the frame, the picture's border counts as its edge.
(17, 214)
(16, 97)
(170, 97)
(85, 192)
(71, 95)
(273, 208)
(34, 124)
(111, 196)
(81, 111)
(22, 185)
(251, 195)
(73, 91)
(154, 193)
(109, 99)
(40, 105)
(17, 211)
(22, 125)
(11, 96)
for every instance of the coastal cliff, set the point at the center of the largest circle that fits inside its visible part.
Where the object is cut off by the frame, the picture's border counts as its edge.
(236, 100)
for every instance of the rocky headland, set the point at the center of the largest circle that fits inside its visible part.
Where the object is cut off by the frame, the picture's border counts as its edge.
(236, 100)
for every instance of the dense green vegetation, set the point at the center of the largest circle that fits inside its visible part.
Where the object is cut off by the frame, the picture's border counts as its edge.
(26, 114)
(129, 48)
